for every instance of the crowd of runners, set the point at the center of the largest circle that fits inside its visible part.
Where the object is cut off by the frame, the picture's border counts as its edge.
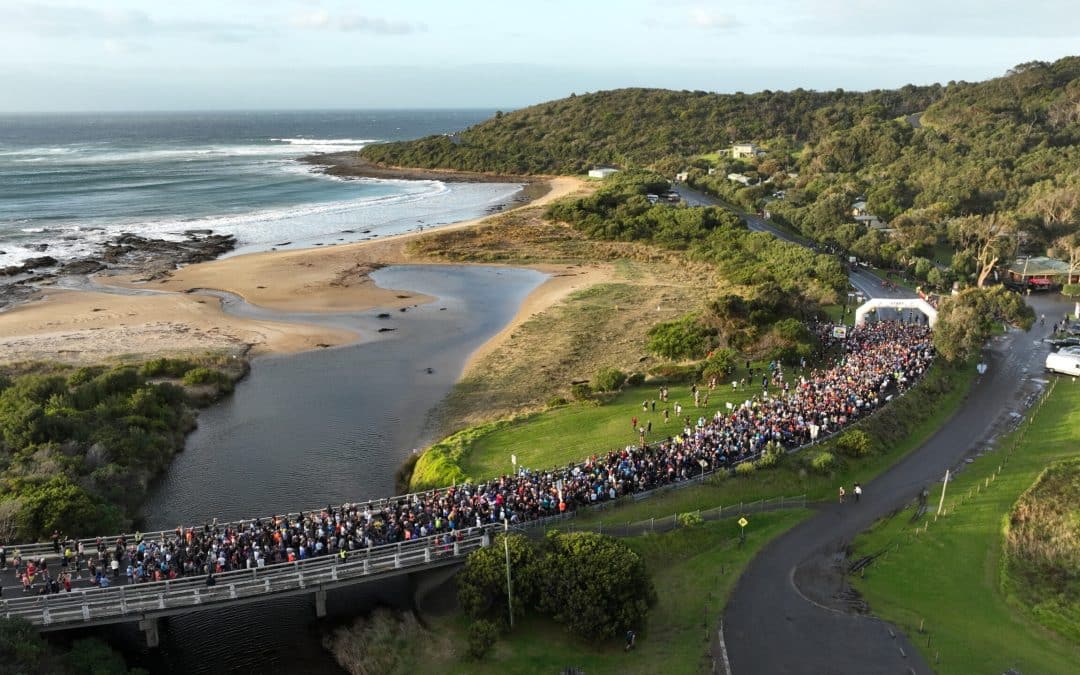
(875, 362)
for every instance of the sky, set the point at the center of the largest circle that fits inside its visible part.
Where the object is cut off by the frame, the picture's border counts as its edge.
(76, 55)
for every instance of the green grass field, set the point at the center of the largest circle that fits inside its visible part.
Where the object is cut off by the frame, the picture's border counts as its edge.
(694, 570)
(950, 575)
(573, 432)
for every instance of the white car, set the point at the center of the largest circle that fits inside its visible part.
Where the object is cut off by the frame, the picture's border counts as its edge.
(1065, 361)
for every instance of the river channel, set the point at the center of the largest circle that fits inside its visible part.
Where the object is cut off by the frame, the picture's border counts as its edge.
(322, 427)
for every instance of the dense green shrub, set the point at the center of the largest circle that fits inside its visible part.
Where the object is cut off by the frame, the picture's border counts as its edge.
(855, 443)
(78, 448)
(744, 468)
(23, 651)
(609, 379)
(581, 391)
(594, 585)
(21, 647)
(771, 456)
(90, 656)
(690, 519)
(556, 401)
(166, 367)
(201, 376)
(636, 379)
(685, 338)
(482, 582)
(1071, 290)
(719, 363)
(482, 637)
(823, 463)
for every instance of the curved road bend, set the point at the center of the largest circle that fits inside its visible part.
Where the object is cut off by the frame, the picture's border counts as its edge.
(792, 611)
(861, 279)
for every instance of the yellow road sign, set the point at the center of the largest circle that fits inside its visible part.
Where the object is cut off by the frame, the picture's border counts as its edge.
(743, 522)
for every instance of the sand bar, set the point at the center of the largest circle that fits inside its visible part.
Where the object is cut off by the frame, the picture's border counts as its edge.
(84, 326)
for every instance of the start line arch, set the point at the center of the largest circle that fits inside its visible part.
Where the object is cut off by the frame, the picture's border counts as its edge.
(895, 303)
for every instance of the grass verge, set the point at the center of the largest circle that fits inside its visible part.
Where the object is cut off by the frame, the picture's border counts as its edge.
(946, 575)
(694, 570)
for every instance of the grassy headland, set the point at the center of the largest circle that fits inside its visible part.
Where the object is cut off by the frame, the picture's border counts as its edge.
(974, 595)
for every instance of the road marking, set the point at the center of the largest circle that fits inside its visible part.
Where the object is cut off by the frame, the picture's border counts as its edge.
(723, 650)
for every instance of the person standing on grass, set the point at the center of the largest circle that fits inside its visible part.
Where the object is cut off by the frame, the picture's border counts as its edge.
(842, 493)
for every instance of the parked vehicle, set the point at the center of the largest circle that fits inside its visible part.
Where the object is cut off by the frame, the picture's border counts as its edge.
(1065, 361)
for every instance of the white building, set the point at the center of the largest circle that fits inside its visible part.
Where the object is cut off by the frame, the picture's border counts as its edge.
(602, 172)
(746, 150)
(739, 178)
(864, 217)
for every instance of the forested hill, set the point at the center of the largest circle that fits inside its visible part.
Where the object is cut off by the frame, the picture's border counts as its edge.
(646, 127)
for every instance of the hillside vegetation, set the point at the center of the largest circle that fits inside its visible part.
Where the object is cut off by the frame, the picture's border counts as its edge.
(964, 175)
(78, 447)
(644, 127)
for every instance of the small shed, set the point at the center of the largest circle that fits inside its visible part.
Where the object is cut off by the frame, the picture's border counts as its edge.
(602, 172)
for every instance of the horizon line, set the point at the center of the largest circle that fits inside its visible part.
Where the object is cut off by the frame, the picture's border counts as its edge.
(138, 111)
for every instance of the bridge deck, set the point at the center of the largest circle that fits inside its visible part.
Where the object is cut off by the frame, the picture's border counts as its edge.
(130, 602)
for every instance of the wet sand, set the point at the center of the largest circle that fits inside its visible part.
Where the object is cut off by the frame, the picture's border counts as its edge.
(83, 326)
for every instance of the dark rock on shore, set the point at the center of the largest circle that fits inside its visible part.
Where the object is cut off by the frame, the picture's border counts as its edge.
(83, 266)
(13, 294)
(135, 250)
(28, 265)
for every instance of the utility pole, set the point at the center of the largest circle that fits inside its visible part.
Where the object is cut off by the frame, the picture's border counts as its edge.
(940, 503)
(509, 588)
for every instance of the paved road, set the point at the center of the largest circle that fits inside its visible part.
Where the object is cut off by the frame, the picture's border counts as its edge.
(863, 280)
(792, 610)
(790, 613)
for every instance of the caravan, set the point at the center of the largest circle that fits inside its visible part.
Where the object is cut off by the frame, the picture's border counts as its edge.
(1065, 361)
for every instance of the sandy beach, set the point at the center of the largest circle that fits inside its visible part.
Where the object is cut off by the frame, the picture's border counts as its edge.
(88, 326)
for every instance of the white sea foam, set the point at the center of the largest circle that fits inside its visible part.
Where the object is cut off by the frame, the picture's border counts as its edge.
(273, 147)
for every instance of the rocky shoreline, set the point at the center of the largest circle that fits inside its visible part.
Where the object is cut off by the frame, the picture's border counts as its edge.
(146, 258)
(352, 165)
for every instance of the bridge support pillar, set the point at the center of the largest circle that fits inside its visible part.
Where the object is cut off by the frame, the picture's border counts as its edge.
(151, 628)
(320, 603)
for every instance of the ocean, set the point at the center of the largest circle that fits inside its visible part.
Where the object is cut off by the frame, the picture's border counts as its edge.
(69, 182)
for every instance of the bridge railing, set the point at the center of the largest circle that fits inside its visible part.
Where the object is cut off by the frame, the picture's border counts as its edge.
(165, 597)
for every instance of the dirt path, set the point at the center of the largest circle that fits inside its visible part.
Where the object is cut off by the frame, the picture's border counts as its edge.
(792, 611)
